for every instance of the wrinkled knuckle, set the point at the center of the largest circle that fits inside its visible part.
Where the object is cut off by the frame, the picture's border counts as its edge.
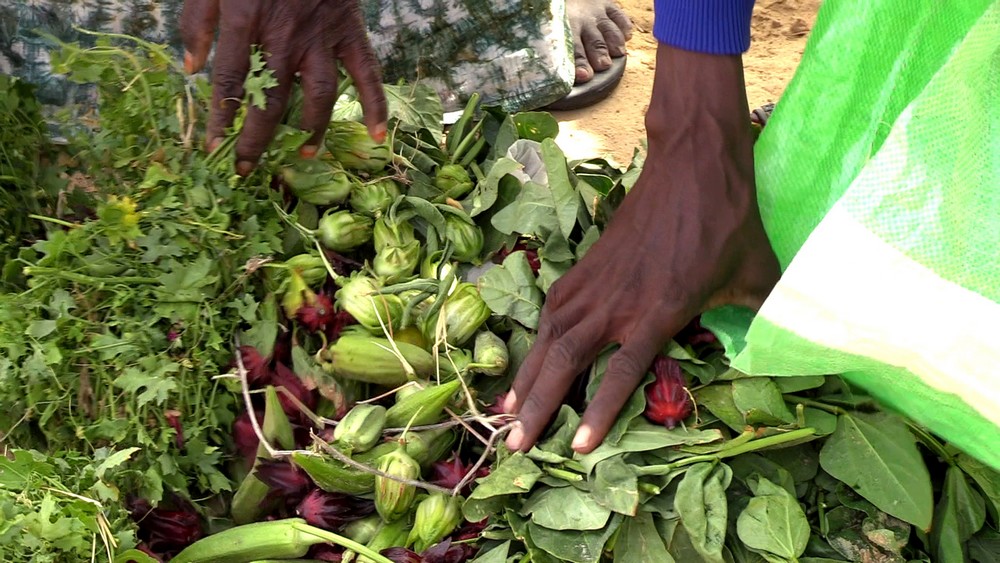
(564, 352)
(625, 365)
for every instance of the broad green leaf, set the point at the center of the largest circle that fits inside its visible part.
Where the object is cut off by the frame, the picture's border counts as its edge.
(616, 486)
(984, 547)
(801, 461)
(643, 436)
(416, 106)
(959, 514)
(550, 272)
(509, 289)
(702, 505)
(515, 475)
(565, 508)
(535, 125)
(496, 555)
(718, 399)
(639, 541)
(560, 435)
(759, 400)
(533, 211)
(877, 456)
(773, 521)
(564, 196)
(519, 527)
(485, 194)
(747, 466)
(824, 422)
(577, 546)
(988, 480)
(799, 383)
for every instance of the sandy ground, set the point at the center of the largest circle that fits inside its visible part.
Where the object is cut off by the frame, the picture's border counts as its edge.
(614, 127)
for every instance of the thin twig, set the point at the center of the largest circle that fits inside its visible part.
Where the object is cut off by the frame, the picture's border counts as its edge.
(482, 459)
(248, 403)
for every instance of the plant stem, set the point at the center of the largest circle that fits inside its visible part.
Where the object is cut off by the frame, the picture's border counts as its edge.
(815, 404)
(931, 442)
(85, 279)
(563, 474)
(751, 446)
(54, 220)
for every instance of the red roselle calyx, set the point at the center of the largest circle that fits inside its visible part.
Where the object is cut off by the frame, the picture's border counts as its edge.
(331, 511)
(449, 474)
(285, 377)
(173, 417)
(317, 312)
(401, 555)
(667, 398)
(283, 478)
(245, 438)
(446, 552)
(254, 364)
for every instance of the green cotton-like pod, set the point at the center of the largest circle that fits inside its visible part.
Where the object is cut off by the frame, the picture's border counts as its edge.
(392, 233)
(361, 428)
(466, 238)
(431, 263)
(437, 516)
(296, 294)
(393, 499)
(374, 198)
(310, 267)
(317, 181)
(354, 149)
(453, 181)
(360, 297)
(342, 231)
(395, 263)
(490, 354)
(464, 312)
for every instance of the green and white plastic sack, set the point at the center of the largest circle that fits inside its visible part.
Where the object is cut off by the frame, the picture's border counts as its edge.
(879, 181)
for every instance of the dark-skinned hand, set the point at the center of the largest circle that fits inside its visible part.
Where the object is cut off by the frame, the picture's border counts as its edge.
(688, 237)
(600, 29)
(307, 37)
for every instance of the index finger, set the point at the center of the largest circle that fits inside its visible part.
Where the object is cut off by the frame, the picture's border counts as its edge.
(198, 21)
(361, 63)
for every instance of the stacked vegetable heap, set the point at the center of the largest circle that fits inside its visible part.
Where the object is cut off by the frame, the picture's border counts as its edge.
(307, 362)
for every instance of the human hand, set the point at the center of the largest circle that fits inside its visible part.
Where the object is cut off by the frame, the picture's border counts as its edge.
(688, 237)
(600, 30)
(307, 37)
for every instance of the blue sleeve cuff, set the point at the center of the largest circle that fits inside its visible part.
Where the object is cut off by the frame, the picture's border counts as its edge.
(716, 27)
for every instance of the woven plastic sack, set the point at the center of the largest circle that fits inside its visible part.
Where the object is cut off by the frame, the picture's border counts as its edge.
(879, 185)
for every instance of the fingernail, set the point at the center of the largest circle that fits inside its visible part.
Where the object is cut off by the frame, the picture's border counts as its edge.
(214, 144)
(378, 132)
(604, 61)
(582, 438)
(509, 402)
(308, 151)
(188, 62)
(244, 167)
(515, 437)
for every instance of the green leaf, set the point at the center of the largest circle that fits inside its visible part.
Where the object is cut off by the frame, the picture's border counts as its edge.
(156, 385)
(517, 474)
(497, 554)
(643, 436)
(703, 508)
(567, 201)
(984, 547)
(749, 466)
(959, 514)
(718, 399)
(577, 546)
(185, 281)
(533, 211)
(486, 192)
(559, 438)
(858, 537)
(536, 125)
(264, 332)
(40, 328)
(565, 508)
(877, 456)
(773, 521)
(509, 289)
(759, 400)
(615, 486)
(799, 383)
(988, 480)
(113, 461)
(639, 541)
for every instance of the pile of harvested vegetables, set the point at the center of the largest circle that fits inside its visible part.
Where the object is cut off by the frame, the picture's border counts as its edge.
(305, 364)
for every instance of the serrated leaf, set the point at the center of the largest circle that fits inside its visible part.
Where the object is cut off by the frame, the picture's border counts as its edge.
(113, 461)
(876, 455)
(156, 386)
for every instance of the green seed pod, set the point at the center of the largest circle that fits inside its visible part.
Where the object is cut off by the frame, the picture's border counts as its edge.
(491, 356)
(453, 181)
(342, 231)
(410, 389)
(352, 147)
(423, 407)
(391, 534)
(362, 531)
(360, 297)
(466, 238)
(361, 428)
(374, 198)
(464, 312)
(393, 499)
(310, 267)
(396, 263)
(387, 233)
(456, 362)
(430, 264)
(363, 357)
(296, 294)
(429, 446)
(437, 516)
(317, 181)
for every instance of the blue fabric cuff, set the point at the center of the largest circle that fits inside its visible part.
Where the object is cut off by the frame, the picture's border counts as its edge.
(716, 27)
